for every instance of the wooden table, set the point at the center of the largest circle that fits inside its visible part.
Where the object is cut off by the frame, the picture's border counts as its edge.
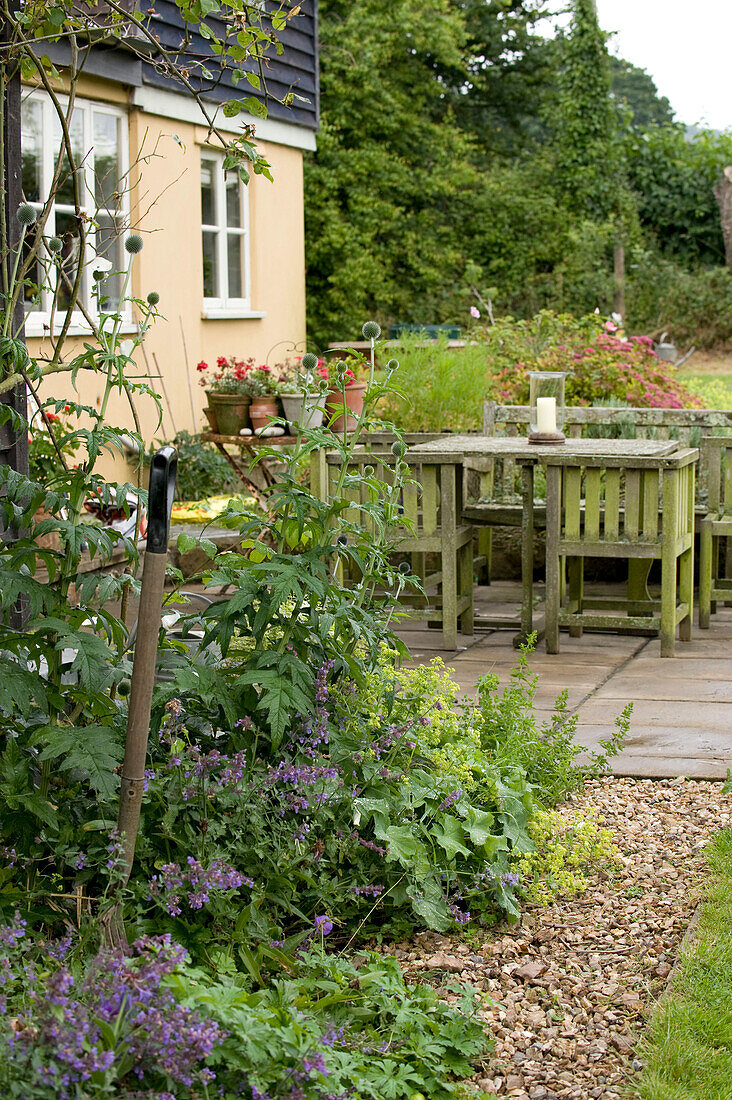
(528, 456)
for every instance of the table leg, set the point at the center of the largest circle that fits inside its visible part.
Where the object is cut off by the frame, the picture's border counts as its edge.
(527, 555)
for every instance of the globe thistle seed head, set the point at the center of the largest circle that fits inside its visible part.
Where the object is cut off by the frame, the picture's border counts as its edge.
(25, 214)
(368, 471)
(371, 331)
(342, 540)
(404, 567)
(392, 365)
(399, 449)
(309, 361)
(133, 243)
(153, 298)
(55, 244)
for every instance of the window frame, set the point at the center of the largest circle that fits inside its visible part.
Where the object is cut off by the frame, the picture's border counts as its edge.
(223, 305)
(38, 318)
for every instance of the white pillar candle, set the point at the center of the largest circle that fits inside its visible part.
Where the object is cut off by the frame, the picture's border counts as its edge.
(546, 415)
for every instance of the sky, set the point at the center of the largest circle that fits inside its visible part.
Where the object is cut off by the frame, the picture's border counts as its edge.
(685, 46)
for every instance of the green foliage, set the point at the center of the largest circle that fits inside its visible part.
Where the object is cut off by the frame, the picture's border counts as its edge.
(439, 387)
(688, 1051)
(637, 91)
(694, 306)
(388, 242)
(377, 1037)
(546, 757)
(202, 470)
(673, 176)
(588, 153)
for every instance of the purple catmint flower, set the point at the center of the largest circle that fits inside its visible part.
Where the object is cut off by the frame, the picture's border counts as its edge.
(451, 799)
(509, 878)
(323, 925)
(196, 882)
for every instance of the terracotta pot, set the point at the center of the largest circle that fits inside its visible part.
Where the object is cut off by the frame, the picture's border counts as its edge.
(353, 401)
(311, 415)
(262, 411)
(230, 410)
(213, 423)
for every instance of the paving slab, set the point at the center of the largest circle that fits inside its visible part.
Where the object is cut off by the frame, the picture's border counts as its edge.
(682, 714)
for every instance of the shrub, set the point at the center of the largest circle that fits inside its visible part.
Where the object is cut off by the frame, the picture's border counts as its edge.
(202, 470)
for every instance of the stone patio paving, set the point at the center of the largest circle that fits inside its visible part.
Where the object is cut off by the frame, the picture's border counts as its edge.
(682, 715)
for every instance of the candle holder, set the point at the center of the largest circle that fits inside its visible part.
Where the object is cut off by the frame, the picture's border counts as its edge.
(546, 390)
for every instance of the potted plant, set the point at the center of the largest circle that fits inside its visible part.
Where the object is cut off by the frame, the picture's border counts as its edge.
(305, 388)
(344, 403)
(229, 394)
(264, 386)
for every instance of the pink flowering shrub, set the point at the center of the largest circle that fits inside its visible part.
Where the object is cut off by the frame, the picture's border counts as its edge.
(607, 369)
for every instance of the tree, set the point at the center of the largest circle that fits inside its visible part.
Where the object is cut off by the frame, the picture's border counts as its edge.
(636, 90)
(390, 192)
(506, 99)
(673, 177)
(586, 140)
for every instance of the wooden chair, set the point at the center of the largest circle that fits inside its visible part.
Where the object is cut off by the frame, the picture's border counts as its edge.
(715, 580)
(434, 532)
(633, 509)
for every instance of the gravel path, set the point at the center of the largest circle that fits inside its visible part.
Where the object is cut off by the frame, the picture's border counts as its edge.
(572, 984)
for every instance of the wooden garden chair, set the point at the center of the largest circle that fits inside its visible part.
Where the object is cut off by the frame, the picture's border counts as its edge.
(638, 509)
(433, 534)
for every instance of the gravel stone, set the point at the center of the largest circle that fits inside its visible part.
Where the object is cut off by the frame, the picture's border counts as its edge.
(569, 987)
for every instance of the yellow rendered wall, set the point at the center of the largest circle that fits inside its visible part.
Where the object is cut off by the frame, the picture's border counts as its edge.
(166, 211)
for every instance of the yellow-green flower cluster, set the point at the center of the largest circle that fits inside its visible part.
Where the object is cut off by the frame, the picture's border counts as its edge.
(568, 848)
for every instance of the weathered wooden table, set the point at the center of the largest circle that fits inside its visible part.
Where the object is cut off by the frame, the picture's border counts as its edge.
(527, 456)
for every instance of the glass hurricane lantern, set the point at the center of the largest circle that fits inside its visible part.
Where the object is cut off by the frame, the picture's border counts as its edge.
(546, 397)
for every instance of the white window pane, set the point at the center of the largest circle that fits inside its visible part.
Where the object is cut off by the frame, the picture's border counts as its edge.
(233, 203)
(31, 122)
(67, 228)
(109, 247)
(233, 259)
(210, 266)
(208, 192)
(65, 190)
(106, 161)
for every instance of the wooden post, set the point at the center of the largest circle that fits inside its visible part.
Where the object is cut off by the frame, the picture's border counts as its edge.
(13, 445)
(723, 195)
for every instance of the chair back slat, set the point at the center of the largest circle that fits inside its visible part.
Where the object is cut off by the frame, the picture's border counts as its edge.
(649, 521)
(612, 504)
(593, 490)
(572, 502)
(427, 477)
(632, 505)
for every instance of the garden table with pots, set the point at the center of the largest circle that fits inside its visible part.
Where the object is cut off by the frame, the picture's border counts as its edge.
(245, 463)
(624, 498)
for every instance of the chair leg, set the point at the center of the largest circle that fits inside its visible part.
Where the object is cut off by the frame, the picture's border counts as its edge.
(706, 559)
(575, 573)
(638, 572)
(465, 586)
(485, 550)
(554, 566)
(686, 592)
(668, 602)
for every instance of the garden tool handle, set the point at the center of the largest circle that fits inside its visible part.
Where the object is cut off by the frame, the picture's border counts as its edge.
(160, 502)
(161, 491)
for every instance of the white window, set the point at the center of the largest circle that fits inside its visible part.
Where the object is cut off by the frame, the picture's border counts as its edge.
(99, 143)
(225, 232)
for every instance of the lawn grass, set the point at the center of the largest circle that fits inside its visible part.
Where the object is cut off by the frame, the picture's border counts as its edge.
(714, 387)
(688, 1051)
